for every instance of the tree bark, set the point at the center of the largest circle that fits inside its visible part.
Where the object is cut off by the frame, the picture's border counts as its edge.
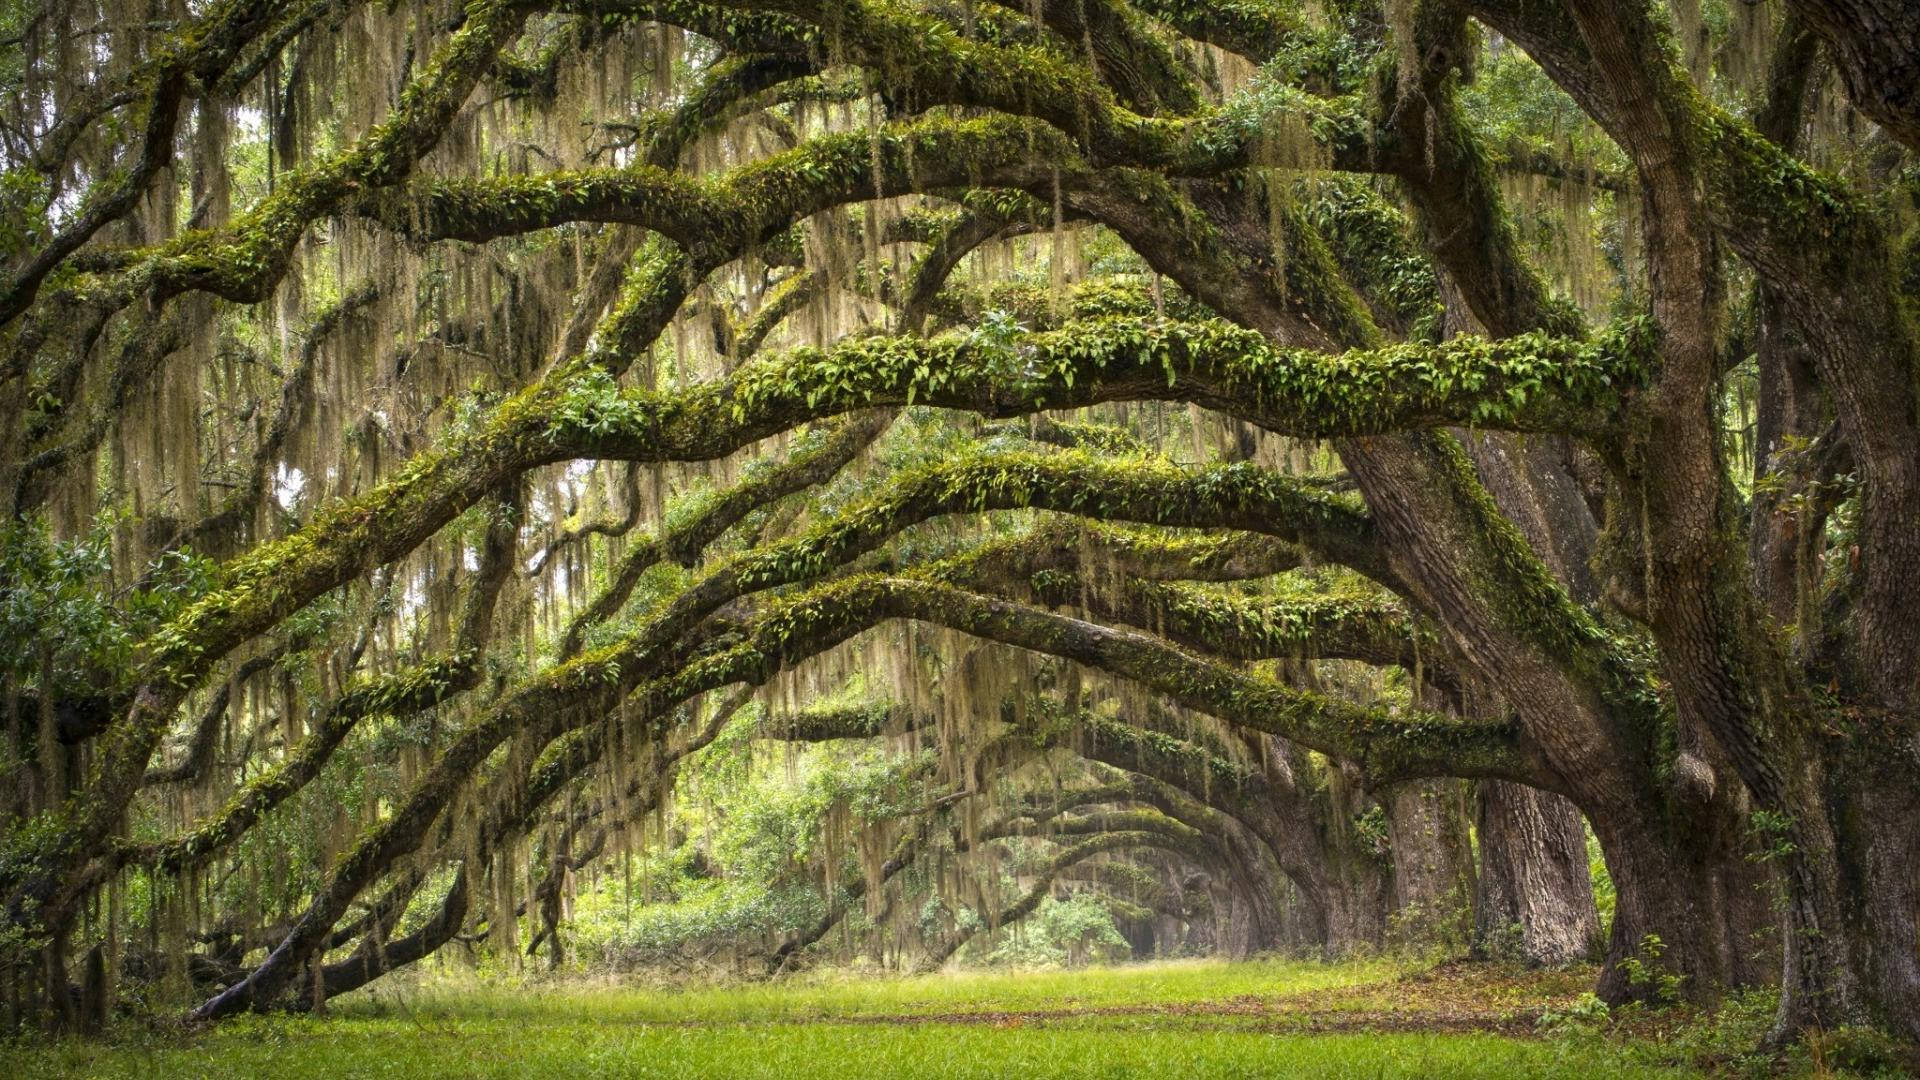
(1534, 878)
(1432, 862)
(1876, 45)
(1882, 847)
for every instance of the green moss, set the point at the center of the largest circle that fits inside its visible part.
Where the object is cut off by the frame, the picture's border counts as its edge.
(1299, 622)
(1369, 238)
(1531, 381)
(1532, 604)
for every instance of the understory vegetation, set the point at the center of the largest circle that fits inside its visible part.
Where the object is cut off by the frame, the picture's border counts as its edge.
(576, 496)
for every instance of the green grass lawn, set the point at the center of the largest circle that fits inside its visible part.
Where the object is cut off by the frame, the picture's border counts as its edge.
(1187, 1019)
(835, 995)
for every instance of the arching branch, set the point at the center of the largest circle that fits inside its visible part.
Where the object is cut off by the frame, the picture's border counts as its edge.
(1049, 872)
(243, 260)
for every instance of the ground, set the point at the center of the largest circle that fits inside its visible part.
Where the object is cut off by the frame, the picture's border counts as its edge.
(1185, 1019)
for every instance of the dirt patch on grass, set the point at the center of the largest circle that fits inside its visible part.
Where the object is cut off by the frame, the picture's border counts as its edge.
(1450, 999)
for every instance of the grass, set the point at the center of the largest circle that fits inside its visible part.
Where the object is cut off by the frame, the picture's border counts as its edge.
(834, 996)
(571, 1048)
(1188, 1019)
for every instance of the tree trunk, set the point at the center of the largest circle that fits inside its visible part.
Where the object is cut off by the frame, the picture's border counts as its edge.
(1358, 889)
(1867, 968)
(60, 1005)
(1254, 923)
(1535, 898)
(1234, 935)
(1432, 863)
(1787, 418)
(1885, 848)
(1670, 912)
(1532, 482)
(95, 993)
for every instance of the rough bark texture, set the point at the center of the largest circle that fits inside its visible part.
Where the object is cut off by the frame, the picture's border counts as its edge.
(1534, 899)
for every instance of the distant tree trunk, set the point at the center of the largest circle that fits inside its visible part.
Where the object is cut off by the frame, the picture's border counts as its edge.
(1248, 919)
(1357, 895)
(94, 993)
(60, 1014)
(1139, 932)
(1234, 933)
(1535, 891)
(1432, 860)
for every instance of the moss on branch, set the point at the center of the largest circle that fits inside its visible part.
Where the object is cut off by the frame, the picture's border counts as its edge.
(1387, 745)
(1529, 383)
(1526, 383)
(1363, 625)
(1259, 30)
(243, 260)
